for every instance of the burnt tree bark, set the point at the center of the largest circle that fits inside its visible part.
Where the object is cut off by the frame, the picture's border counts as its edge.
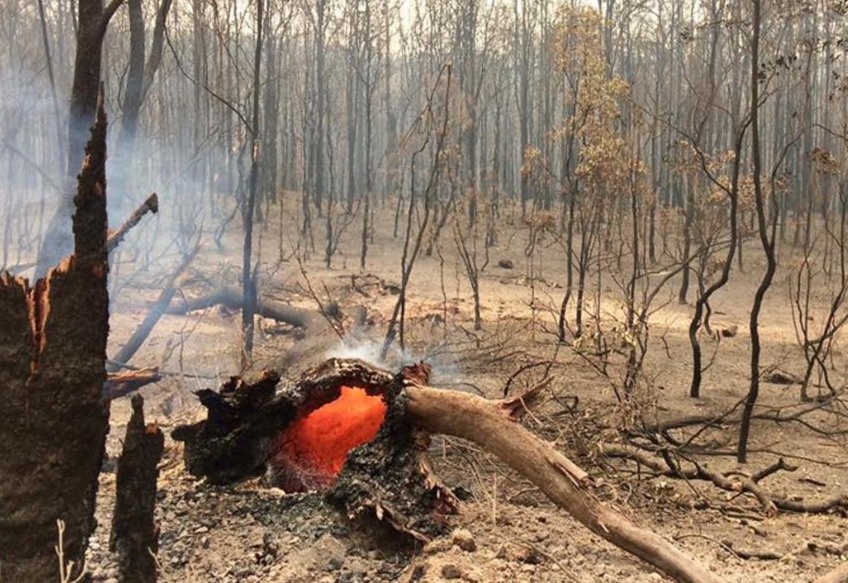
(52, 370)
(135, 534)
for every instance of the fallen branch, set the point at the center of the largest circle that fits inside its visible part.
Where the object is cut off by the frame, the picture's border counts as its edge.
(150, 205)
(158, 309)
(119, 384)
(232, 298)
(490, 425)
(709, 421)
(769, 503)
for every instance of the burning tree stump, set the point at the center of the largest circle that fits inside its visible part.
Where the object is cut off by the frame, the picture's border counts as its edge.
(297, 434)
(340, 428)
(52, 370)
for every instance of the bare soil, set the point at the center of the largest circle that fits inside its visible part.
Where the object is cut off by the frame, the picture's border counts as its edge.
(251, 533)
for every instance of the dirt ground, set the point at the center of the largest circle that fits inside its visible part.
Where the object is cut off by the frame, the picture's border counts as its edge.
(507, 530)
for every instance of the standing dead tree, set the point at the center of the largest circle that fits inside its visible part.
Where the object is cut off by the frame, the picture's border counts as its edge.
(411, 246)
(52, 370)
(93, 20)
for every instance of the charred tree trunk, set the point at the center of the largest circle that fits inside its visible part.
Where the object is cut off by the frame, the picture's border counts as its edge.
(135, 534)
(52, 370)
(140, 77)
(92, 24)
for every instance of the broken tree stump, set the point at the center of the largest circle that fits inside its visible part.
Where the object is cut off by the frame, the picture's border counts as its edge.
(135, 534)
(253, 428)
(52, 369)
(309, 435)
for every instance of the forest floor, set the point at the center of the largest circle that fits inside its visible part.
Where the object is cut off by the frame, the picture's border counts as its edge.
(251, 533)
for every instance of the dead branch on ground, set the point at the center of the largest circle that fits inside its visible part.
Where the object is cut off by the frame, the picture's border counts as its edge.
(770, 504)
(120, 384)
(232, 298)
(491, 425)
(158, 309)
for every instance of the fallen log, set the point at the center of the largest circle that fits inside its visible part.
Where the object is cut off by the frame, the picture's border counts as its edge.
(233, 298)
(253, 428)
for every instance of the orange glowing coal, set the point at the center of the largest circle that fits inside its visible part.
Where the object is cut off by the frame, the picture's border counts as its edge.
(313, 449)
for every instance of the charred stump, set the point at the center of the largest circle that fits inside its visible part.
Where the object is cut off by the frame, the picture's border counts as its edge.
(340, 428)
(52, 369)
(135, 534)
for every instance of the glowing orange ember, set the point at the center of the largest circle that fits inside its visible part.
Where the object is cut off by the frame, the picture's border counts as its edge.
(315, 447)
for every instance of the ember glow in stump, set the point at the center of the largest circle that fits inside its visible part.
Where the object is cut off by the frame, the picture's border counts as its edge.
(341, 428)
(310, 452)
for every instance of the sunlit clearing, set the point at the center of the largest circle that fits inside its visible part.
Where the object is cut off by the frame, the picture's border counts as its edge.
(317, 445)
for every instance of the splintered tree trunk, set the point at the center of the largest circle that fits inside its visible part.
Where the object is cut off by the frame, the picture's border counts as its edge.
(252, 427)
(135, 535)
(53, 417)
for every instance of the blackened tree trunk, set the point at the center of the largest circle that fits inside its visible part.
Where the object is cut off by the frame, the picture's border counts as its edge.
(248, 282)
(93, 19)
(766, 227)
(135, 535)
(52, 369)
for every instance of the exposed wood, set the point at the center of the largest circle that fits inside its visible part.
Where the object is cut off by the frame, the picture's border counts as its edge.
(52, 370)
(488, 424)
(135, 533)
(119, 384)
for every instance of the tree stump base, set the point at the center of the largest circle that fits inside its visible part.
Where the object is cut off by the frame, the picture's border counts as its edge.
(341, 428)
